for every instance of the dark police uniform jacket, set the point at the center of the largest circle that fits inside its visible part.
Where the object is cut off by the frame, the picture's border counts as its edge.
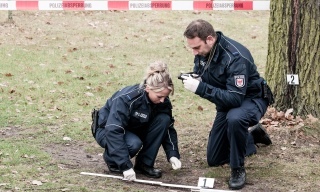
(231, 77)
(130, 109)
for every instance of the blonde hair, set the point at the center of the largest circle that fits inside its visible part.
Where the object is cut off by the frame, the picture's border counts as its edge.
(157, 77)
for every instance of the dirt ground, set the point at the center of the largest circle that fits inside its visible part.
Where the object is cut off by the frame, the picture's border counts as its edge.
(288, 148)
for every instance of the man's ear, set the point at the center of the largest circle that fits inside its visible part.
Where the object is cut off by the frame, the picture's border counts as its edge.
(210, 40)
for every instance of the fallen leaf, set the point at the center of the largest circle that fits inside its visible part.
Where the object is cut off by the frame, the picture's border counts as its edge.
(288, 112)
(35, 182)
(280, 115)
(8, 75)
(89, 94)
(311, 119)
(66, 138)
(200, 108)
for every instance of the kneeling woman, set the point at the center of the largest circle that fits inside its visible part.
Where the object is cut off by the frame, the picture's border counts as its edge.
(136, 121)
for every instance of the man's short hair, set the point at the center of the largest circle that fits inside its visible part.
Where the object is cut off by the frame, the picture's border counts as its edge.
(199, 28)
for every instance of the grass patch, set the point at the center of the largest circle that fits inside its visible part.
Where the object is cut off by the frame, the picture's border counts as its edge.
(58, 65)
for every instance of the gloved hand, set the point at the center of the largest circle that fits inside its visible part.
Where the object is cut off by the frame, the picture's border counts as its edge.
(129, 175)
(175, 162)
(190, 83)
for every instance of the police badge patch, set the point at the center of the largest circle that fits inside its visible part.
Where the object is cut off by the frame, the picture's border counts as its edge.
(202, 63)
(239, 80)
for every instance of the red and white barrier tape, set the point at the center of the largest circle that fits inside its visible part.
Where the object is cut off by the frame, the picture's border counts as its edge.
(133, 5)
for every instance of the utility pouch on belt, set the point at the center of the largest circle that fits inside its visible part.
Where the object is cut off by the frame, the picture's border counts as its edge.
(267, 93)
(95, 117)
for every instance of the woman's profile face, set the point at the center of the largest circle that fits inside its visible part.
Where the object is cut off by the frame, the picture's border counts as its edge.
(157, 97)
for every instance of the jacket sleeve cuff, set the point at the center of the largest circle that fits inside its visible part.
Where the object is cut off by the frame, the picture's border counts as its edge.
(201, 89)
(126, 166)
(173, 154)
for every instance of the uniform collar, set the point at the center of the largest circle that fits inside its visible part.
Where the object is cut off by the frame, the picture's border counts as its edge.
(216, 54)
(146, 98)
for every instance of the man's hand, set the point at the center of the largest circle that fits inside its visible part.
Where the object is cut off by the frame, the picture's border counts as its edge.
(129, 175)
(175, 162)
(190, 83)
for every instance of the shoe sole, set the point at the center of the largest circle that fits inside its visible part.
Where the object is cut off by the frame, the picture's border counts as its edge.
(236, 188)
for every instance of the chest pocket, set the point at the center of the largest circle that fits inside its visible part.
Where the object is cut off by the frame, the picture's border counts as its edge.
(140, 116)
(217, 76)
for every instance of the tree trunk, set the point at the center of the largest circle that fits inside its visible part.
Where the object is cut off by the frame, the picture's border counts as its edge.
(294, 48)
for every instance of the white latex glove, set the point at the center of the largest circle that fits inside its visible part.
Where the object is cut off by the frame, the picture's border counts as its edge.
(175, 162)
(129, 175)
(190, 83)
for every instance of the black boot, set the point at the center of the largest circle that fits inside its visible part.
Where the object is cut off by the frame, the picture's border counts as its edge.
(260, 135)
(148, 171)
(237, 179)
(113, 168)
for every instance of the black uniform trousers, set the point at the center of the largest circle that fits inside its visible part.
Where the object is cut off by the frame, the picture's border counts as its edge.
(145, 141)
(229, 140)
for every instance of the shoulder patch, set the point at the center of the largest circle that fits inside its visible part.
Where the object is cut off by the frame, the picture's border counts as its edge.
(232, 50)
(133, 94)
(239, 80)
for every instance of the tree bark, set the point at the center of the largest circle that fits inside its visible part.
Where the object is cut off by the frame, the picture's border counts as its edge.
(294, 48)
